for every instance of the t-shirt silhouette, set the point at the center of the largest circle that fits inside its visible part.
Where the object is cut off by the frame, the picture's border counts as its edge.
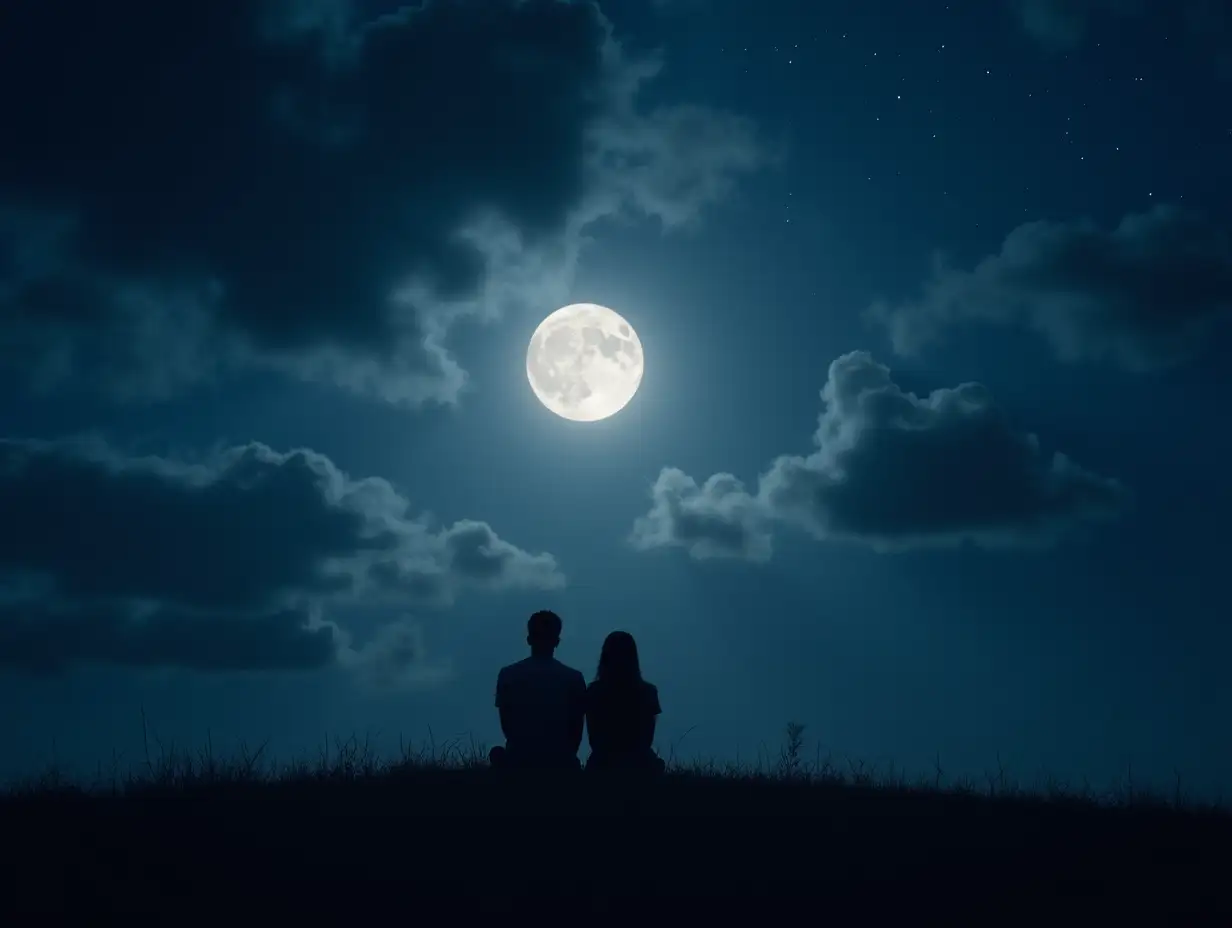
(618, 720)
(542, 699)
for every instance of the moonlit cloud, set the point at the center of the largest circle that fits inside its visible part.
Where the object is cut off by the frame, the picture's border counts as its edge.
(891, 471)
(718, 519)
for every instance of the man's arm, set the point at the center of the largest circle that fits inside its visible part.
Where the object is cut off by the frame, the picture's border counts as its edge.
(504, 720)
(502, 704)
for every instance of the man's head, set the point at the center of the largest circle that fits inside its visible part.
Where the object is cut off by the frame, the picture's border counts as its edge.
(543, 632)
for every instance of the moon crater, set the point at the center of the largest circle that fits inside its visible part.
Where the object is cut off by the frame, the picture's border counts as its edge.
(584, 362)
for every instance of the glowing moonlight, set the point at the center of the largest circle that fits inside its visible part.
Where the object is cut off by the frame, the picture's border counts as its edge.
(584, 362)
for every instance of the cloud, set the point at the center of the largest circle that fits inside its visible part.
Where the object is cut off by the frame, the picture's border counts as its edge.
(42, 637)
(891, 471)
(895, 470)
(1062, 24)
(395, 659)
(1142, 295)
(226, 562)
(432, 565)
(719, 519)
(283, 186)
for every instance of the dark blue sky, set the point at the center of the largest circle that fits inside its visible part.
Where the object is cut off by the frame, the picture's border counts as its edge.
(271, 469)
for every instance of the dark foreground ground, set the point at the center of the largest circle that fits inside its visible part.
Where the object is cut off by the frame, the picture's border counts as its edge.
(410, 843)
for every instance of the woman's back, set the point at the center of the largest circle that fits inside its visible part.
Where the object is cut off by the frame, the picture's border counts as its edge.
(620, 721)
(620, 709)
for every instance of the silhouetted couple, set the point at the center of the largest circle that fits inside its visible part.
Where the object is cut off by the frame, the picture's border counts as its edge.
(544, 704)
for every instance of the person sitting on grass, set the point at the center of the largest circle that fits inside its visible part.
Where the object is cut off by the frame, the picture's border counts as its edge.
(621, 709)
(542, 704)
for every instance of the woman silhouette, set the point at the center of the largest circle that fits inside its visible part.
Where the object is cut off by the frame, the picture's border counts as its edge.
(621, 709)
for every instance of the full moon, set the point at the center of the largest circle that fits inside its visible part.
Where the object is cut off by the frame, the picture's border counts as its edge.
(584, 362)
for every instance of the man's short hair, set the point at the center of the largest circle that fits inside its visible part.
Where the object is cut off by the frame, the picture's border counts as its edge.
(544, 625)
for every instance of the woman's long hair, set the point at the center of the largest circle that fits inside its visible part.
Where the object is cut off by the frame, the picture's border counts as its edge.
(618, 663)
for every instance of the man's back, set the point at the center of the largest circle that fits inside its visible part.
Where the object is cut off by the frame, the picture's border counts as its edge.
(542, 703)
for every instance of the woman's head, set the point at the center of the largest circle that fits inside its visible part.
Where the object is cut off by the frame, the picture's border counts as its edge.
(618, 660)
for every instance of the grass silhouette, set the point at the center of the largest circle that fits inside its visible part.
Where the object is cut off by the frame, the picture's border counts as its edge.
(188, 837)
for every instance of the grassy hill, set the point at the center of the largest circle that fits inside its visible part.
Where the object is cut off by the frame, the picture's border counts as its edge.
(191, 840)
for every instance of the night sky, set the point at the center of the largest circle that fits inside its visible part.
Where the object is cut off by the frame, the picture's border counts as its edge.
(930, 453)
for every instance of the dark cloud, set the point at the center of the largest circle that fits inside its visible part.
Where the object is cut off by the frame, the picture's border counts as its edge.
(231, 534)
(896, 470)
(135, 560)
(893, 471)
(43, 637)
(1143, 294)
(280, 184)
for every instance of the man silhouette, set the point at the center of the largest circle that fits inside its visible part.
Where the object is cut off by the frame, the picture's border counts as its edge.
(542, 704)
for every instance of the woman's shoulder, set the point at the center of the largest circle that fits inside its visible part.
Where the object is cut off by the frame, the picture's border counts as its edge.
(644, 687)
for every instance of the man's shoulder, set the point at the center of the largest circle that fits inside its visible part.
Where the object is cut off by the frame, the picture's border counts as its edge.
(537, 667)
(571, 673)
(517, 668)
